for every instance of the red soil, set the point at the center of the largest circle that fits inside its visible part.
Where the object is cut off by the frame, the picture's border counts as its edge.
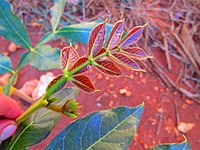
(164, 108)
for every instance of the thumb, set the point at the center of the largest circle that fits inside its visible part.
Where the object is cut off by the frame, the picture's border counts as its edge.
(7, 128)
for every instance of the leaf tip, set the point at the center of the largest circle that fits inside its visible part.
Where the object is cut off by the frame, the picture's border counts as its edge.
(150, 57)
(106, 19)
(97, 90)
(145, 24)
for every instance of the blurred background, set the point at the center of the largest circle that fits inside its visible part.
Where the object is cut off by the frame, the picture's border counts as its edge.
(171, 86)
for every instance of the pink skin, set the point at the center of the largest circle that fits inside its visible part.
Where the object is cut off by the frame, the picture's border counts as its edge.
(9, 110)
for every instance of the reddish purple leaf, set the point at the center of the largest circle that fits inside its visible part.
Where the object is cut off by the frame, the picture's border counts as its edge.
(115, 34)
(109, 68)
(136, 52)
(103, 50)
(56, 79)
(132, 36)
(128, 62)
(96, 38)
(84, 83)
(79, 62)
(68, 57)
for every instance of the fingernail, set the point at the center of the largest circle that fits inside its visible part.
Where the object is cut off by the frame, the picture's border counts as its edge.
(7, 132)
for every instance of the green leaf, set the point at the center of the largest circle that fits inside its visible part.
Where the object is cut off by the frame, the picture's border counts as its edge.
(109, 129)
(44, 57)
(23, 61)
(11, 27)
(56, 13)
(6, 88)
(173, 146)
(47, 37)
(80, 32)
(5, 64)
(38, 125)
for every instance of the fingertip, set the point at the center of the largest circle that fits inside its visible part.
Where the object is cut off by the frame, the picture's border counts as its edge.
(9, 108)
(7, 129)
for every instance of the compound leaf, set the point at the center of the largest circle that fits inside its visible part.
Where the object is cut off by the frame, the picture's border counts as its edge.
(68, 57)
(110, 129)
(11, 27)
(96, 38)
(126, 61)
(44, 57)
(173, 146)
(115, 34)
(56, 13)
(108, 67)
(132, 36)
(84, 83)
(5, 64)
(39, 124)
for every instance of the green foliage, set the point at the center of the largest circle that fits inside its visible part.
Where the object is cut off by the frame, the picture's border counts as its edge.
(23, 60)
(110, 129)
(5, 64)
(44, 57)
(7, 87)
(56, 13)
(11, 26)
(173, 146)
(39, 124)
(80, 32)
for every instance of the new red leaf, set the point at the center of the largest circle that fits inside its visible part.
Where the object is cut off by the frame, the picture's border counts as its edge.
(54, 81)
(108, 67)
(132, 36)
(115, 34)
(84, 83)
(125, 60)
(68, 57)
(96, 38)
(136, 52)
(79, 62)
(103, 50)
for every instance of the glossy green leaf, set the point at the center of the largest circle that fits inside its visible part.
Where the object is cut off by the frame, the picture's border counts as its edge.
(46, 37)
(56, 13)
(38, 125)
(7, 87)
(80, 32)
(23, 60)
(5, 64)
(173, 146)
(11, 27)
(44, 57)
(110, 129)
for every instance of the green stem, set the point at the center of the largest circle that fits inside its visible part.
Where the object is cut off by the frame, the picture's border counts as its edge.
(38, 104)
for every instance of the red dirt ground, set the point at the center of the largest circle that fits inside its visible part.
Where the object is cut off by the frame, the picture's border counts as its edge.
(164, 108)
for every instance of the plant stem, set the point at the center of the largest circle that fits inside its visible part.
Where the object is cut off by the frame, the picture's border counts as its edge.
(38, 104)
